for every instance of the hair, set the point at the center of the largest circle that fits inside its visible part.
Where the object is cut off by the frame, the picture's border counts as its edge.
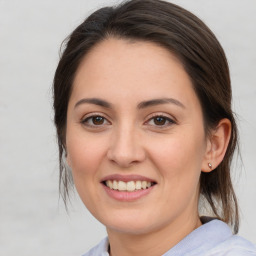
(193, 43)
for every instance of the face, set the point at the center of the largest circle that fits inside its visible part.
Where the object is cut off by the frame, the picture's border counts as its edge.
(135, 137)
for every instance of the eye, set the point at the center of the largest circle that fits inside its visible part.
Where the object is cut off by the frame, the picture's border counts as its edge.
(95, 120)
(160, 121)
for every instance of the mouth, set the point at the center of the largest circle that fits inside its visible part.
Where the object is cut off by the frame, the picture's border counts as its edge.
(127, 188)
(130, 186)
(127, 183)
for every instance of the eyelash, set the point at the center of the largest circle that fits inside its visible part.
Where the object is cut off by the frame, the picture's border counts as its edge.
(85, 121)
(166, 119)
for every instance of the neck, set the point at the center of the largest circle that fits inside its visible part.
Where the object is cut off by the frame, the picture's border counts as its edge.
(155, 243)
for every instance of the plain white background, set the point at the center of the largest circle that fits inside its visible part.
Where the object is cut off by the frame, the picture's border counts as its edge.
(33, 220)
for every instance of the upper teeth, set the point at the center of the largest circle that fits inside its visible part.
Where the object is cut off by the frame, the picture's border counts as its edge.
(128, 186)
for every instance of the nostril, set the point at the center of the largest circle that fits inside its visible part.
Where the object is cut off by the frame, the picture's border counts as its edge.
(125, 151)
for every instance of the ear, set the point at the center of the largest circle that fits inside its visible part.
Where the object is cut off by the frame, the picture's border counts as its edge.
(217, 144)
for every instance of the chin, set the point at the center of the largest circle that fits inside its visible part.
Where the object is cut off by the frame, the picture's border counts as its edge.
(127, 228)
(129, 223)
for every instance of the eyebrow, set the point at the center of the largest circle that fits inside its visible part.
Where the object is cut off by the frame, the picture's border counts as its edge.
(154, 102)
(141, 105)
(95, 101)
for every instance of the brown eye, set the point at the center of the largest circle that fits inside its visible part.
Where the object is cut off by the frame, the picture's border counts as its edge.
(159, 120)
(97, 120)
(93, 121)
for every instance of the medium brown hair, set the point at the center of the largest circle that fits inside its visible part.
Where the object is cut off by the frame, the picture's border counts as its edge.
(203, 58)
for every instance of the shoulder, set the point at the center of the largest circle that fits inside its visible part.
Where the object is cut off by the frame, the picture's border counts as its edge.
(234, 246)
(215, 238)
(101, 249)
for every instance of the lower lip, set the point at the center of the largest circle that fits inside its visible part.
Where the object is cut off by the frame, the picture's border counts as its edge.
(127, 196)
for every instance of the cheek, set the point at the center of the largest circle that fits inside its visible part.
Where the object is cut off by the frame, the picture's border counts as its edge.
(84, 154)
(179, 157)
(178, 161)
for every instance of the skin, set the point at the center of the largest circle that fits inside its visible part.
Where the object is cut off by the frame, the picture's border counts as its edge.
(129, 140)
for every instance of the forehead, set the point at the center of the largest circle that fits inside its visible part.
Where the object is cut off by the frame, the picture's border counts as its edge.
(126, 55)
(116, 66)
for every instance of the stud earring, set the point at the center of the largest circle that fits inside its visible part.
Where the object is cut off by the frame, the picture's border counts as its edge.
(210, 165)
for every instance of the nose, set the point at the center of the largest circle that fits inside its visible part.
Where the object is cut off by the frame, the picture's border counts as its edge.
(126, 148)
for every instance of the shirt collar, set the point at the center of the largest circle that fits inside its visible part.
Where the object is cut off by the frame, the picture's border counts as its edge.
(211, 233)
(205, 237)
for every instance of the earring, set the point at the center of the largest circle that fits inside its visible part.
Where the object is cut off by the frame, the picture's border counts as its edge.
(210, 165)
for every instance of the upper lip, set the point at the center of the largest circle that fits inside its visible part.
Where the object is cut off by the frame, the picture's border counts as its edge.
(126, 178)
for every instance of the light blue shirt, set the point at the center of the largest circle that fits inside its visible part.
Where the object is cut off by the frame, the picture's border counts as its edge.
(213, 238)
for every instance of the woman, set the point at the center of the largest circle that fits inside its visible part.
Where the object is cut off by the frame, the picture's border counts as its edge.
(142, 101)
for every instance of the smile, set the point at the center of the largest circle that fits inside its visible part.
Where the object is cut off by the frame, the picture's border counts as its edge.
(129, 186)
